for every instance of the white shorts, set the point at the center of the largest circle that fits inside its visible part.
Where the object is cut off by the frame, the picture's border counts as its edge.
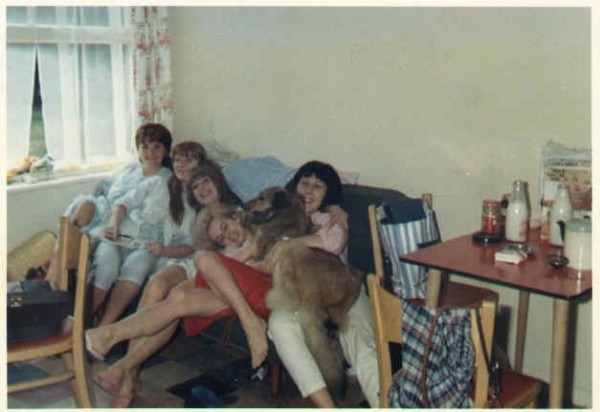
(186, 263)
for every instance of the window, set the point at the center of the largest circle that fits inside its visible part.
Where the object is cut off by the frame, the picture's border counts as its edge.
(69, 87)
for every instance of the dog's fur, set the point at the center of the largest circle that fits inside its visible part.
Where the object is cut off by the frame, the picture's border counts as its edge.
(276, 213)
(309, 281)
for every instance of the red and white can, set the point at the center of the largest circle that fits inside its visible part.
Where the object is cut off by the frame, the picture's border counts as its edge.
(490, 217)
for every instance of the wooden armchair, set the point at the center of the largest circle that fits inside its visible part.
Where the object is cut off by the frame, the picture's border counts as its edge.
(517, 390)
(73, 255)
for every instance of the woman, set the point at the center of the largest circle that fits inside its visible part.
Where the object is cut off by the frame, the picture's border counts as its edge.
(153, 143)
(222, 285)
(205, 186)
(320, 187)
(145, 205)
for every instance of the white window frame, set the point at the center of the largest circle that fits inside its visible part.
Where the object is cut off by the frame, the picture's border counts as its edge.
(117, 37)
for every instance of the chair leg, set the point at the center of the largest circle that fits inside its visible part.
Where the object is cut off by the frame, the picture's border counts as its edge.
(79, 387)
(67, 359)
(81, 380)
(275, 373)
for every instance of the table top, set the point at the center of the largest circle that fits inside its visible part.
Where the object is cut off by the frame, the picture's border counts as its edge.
(463, 256)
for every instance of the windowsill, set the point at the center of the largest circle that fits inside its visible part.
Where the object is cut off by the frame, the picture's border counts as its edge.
(60, 180)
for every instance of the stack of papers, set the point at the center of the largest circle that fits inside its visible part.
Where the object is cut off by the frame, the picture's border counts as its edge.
(510, 255)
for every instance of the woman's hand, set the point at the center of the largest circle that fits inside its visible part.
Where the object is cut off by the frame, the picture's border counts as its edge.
(338, 216)
(111, 232)
(155, 248)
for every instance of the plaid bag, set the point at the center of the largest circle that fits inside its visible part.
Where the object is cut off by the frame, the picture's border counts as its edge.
(406, 225)
(438, 359)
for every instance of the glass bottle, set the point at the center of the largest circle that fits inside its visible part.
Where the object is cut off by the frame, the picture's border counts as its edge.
(517, 213)
(561, 211)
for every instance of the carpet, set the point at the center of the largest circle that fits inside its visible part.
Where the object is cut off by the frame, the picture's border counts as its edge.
(212, 389)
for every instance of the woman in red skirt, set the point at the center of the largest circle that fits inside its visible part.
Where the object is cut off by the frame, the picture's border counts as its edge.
(224, 285)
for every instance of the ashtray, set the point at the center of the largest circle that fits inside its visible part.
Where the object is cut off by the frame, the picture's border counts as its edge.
(482, 237)
(557, 261)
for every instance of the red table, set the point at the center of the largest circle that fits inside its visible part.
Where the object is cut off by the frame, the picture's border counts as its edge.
(465, 257)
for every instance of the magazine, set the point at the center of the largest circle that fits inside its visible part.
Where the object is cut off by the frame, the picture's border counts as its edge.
(561, 164)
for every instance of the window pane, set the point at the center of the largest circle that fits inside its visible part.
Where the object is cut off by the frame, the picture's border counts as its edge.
(37, 144)
(16, 15)
(98, 102)
(95, 16)
(45, 15)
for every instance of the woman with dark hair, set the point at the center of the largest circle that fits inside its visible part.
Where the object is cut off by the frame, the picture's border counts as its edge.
(206, 183)
(320, 188)
(153, 144)
(326, 174)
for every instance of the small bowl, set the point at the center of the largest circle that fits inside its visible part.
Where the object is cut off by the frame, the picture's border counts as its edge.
(557, 261)
(482, 237)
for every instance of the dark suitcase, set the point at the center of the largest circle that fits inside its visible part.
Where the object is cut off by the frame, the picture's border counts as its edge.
(37, 312)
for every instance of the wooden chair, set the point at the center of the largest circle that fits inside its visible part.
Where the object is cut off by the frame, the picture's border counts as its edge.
(453, 294)
(73, 255)
(517, 390)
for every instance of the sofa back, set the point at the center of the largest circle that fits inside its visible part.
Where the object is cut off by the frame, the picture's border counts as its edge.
(355, 201)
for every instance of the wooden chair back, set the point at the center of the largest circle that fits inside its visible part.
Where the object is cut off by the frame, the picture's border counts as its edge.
(73, 255)
(386, 309)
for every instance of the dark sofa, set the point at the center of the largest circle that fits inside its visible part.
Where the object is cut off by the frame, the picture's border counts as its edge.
(355, 201)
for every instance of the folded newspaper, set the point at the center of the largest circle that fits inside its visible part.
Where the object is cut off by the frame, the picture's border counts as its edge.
(561, 164)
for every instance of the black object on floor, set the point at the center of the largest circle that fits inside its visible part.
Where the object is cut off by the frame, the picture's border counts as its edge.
(211, 389)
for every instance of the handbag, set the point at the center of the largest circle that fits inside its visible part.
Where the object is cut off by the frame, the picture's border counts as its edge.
(36, 311)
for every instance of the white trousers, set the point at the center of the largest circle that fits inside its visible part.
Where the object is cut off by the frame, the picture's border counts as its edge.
(357, 341)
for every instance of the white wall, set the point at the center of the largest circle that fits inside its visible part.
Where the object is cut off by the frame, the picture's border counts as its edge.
(31, 209)
(456, 102)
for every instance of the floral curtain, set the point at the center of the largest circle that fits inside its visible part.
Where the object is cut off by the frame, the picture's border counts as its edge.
(152, 66)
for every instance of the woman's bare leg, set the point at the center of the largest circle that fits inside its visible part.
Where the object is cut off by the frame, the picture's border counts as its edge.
(121, 295)
(99, 296)
(322, 399)
(223, 284)
(83, 215)
(158, 288)
(124, 372)
(184, 300)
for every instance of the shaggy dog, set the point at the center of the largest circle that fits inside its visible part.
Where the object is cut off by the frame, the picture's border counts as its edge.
(276, 213)
(314, 283)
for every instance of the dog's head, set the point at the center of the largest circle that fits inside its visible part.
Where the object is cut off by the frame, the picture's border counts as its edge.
(268, 202)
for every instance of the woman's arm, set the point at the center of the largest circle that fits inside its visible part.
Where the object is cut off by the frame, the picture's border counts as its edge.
(111, 231)
(338, 216)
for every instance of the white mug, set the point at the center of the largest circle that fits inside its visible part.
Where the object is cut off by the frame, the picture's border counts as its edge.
(578, 244)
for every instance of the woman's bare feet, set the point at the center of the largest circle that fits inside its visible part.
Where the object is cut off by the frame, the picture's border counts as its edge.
(110, 380)
(126, 394)
(256, 335)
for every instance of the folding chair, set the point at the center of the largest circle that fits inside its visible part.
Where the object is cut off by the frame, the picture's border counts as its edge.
(516, 390)
(73, 255)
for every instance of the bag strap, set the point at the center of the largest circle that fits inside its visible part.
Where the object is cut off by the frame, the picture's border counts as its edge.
(493, 367)
(425, 361)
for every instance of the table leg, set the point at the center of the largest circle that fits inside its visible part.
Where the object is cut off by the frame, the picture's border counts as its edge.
(559, 342)
(434, 281)
(522, 313)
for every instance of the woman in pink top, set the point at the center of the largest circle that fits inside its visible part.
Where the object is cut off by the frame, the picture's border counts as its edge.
(320, 187)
